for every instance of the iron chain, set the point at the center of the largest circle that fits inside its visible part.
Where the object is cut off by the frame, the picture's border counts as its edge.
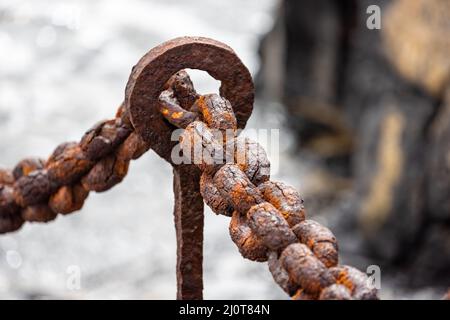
(267, 218)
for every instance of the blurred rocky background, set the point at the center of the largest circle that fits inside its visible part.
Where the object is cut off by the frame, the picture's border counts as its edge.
(364, 130)
(371, 107)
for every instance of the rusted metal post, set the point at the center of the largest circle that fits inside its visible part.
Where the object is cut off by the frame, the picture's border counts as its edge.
(268, 221)
(144, 86)
(188, 213)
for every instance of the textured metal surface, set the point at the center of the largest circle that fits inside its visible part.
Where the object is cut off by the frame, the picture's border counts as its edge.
(268, 222)
(189, 229)
(37, 190)
(159, 64)
(142, 97)
(268, 218)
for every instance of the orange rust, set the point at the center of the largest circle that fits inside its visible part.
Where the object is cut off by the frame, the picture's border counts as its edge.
(38, 213)
(319, 239)
(68, 199)
(26, 166)
(212, 197)
(344, 279)
(228, 117)
(177, 115)
(249, 244)
(203, 107)
(302, 295)
(286, 199)
(6, 177)
(62, 200)
(132, 148)
(69, 166)
(266, 228)
(27, 170)
(121, 168)
(335, 292)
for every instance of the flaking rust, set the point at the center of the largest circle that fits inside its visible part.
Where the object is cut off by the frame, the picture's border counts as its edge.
(155, 68)
(319, 239)
(268, 220)
(155, 116)
(38, 190)
(249, 244)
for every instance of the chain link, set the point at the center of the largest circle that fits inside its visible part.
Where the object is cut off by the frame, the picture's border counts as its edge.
(36, 190)
(267, 218)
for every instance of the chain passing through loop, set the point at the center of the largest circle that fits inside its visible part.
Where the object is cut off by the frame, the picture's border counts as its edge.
(268, 219)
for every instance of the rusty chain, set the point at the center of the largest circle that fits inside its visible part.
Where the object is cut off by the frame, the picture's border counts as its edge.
(267, 218)
(36, 190)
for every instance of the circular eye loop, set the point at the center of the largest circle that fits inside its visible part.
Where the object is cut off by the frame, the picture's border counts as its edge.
(149, 76)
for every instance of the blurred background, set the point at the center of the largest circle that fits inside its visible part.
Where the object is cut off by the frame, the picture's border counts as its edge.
(363, 116)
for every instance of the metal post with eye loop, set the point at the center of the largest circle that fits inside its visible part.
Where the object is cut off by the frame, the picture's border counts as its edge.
(144, 86)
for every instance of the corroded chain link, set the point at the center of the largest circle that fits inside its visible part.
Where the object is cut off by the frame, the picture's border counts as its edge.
(37, 190)
(267, 218)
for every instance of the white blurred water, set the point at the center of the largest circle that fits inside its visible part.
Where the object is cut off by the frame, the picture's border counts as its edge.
(63, 67)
